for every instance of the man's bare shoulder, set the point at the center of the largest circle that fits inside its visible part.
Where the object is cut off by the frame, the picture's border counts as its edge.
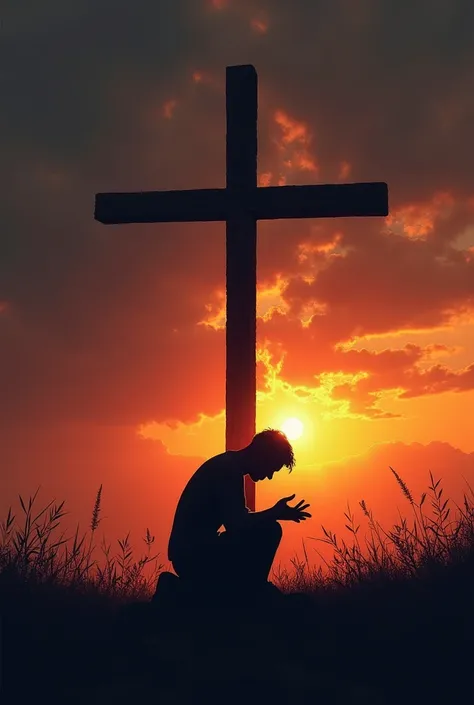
(222, 466)
(225, 461)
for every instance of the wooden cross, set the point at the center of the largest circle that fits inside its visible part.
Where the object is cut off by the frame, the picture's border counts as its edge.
(240, 205)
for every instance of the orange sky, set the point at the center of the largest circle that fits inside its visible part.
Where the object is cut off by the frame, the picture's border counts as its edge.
(112, 338)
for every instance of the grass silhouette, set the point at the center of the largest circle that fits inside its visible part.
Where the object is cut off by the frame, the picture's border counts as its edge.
(388, 619)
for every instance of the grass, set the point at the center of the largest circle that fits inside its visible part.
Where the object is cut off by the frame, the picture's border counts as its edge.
(412, 549)
(388, 618)
(32, 554)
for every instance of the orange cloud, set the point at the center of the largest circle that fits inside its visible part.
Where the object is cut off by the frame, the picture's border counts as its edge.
(294, 143)
(397, 283)
(408, 381)
(344, 171)
(169, 108)
(306, 250)
(418, 220)
(438, 379)
(206, 79)
(437, 350)
(302, 162)
(357, 380)
(269, 300)
(293, 131)
(364, 394)
(215, 311)
(270, 179)
(259, 25)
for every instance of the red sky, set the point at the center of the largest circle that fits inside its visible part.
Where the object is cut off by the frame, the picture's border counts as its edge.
(111, 338)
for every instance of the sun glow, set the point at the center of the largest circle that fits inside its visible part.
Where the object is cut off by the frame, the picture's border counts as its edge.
(293, 428)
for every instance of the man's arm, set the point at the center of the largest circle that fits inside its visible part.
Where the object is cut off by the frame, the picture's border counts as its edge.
(236, 514)
(269, 514)
(281, 511)
(246, 518)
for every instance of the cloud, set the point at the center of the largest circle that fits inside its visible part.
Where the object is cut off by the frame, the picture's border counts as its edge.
(169, 108)
(364, 394)
(358, 379)
(259, 25)
(438, 379)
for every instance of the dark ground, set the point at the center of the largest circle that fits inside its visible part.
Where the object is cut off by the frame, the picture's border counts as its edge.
(400, 643)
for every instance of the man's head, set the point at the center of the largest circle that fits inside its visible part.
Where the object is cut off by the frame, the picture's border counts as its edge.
(268, 452)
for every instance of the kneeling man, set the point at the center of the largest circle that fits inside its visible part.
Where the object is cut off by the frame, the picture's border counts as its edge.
(243, 554)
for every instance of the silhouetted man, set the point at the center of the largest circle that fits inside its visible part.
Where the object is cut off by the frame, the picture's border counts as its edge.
(243, 554)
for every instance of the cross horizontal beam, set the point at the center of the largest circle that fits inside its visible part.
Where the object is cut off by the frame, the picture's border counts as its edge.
(263, 203)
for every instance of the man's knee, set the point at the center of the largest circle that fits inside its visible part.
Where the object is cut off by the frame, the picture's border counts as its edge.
(266, 533)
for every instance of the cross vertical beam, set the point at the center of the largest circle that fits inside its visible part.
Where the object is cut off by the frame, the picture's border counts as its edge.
(241, 263)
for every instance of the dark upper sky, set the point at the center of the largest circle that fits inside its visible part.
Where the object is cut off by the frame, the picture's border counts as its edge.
(129, 96)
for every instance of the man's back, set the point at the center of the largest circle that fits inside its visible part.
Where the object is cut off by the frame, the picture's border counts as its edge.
(211, 498)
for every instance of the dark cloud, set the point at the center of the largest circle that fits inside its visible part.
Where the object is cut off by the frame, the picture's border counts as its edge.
(398, 283)
(363, 395)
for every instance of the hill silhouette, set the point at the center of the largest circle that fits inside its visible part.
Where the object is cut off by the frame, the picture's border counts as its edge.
(331, 487)
(367, 474)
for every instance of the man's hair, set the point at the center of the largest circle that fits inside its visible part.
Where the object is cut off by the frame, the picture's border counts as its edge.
(275, 443)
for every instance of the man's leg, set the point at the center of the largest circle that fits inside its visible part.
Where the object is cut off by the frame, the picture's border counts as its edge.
(246, 556)
(199, 565)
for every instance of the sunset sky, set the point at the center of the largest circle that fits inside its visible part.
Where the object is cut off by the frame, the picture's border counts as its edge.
(112, 337)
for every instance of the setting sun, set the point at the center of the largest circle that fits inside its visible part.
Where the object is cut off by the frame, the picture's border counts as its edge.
(292, 428)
